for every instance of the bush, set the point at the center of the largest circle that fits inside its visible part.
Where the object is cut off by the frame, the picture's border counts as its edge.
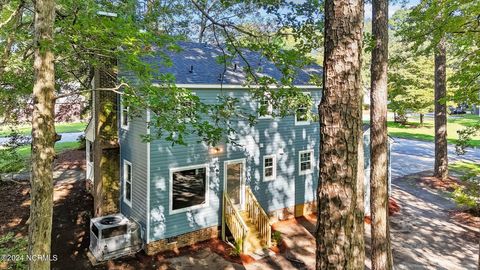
(277, 237)
(10, 159)
(237, 249)
(468, 195)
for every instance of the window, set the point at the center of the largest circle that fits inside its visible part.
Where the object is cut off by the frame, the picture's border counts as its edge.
(301, 116)
(269, 168)
(188, 188)
(123, 114)
(127, 182)
(268, 107)
(305, 161)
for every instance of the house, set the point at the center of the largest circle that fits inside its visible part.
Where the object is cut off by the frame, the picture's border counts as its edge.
(184, 194)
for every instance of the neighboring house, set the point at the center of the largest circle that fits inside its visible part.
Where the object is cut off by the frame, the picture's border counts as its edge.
(184, 194)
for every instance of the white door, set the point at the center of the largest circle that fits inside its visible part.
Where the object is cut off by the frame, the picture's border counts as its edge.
(234, 181)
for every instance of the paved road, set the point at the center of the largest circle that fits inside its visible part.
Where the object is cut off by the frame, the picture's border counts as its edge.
(411, 156)
(66, 137)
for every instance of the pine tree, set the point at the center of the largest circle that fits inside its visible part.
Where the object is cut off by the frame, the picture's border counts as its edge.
(340, 122)
(381, 250)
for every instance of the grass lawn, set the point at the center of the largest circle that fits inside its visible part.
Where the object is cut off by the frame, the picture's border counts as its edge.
(465, 167)
(59, 127)
(413, 130)
(25, 150)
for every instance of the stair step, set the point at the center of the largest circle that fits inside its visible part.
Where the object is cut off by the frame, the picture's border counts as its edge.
(254, 243)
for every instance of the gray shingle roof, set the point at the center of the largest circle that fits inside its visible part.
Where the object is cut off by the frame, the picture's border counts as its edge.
(197, 63)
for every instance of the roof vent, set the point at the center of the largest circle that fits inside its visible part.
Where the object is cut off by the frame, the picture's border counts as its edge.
(191, 69)
(235, 67)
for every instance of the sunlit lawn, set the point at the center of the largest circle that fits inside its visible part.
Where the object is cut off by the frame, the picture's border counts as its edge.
(465, 167)
(425, 132)
(59, 127)
(25, 151)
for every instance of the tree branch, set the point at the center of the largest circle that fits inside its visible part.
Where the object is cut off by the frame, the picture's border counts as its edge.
(113, 89)
(19, 8)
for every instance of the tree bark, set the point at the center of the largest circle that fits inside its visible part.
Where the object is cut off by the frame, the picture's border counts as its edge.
(421, 119)
(339, 136)
(441, 152)
(381, 251)
(43, 137)
(359, 225)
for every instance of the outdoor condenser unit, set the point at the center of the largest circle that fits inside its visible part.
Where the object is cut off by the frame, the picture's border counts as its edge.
(114, 236)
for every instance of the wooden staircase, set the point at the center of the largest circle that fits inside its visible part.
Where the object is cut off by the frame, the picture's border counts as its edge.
(253, 241)
(250, 227)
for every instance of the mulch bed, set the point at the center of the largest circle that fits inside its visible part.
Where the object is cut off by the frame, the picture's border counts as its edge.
(158, 261)
(449, 184)
(70, 160)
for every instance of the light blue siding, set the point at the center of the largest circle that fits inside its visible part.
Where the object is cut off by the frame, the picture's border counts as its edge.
(270, 136)
(134, 150)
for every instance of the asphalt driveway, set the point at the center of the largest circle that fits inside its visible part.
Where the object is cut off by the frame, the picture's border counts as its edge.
(411, 156)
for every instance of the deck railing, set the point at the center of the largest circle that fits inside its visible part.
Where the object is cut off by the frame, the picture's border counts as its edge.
(258, 216)
(231, 217)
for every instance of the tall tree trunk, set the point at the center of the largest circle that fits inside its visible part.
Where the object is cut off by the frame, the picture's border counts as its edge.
(359, 227)
(43, 137)
(381, 251)
(421, 119)
(339, 125)
(441, 151)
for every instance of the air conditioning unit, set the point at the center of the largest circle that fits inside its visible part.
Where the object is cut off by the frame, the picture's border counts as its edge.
(114, 236)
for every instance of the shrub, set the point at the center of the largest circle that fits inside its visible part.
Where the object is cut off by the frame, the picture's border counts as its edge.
(237, 249)
(468, 195)
(277, 237)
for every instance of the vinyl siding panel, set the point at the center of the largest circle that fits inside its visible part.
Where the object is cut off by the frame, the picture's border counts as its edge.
(270, 136)
(134, 150)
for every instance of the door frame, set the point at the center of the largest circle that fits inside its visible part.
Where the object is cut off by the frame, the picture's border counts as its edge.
(242, 180)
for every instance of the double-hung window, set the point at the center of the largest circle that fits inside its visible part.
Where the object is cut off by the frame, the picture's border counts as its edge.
(305, 162)
(301, 115)
(269, 168)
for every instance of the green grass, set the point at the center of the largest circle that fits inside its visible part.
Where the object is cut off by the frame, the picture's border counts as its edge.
(465, 167)
(25, 151)
(59, 127)
(425, 132)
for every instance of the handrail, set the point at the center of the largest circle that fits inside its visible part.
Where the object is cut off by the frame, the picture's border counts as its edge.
(232, 218)
(258, 216)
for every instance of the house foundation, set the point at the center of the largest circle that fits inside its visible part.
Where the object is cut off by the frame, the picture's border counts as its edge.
(183, 240)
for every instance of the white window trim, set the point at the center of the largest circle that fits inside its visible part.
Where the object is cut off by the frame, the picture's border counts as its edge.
(207, 190)
(121, 114)
(300, 172)
(274, 165)
(302, 123)
(126, 162)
